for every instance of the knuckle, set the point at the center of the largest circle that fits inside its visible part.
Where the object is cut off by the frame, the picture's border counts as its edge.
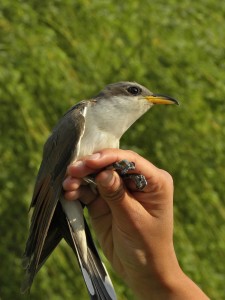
(116, 195)
(116, 191)
(166, 178)
(65, 181)
(163, 182)
(134, 155)
(131, 152)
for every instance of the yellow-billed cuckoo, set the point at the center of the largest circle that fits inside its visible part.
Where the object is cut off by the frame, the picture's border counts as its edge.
(87, 127)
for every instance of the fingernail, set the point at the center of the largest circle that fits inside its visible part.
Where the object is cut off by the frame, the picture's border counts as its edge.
(78, 163)
(94, 156)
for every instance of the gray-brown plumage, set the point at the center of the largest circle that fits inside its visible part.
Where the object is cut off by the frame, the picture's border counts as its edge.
(87, 127)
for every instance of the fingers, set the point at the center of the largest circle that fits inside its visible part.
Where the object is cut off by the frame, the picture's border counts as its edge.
(110, 186)
(94, 163)
(112, 189)
(116, 192)
(74, 189)
(71, 183)
(71, 187)
(99, 161)
(156, 178)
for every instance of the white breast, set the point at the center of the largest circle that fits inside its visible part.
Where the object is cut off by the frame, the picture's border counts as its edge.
(93, 140)
(95, 137)
(105, 123)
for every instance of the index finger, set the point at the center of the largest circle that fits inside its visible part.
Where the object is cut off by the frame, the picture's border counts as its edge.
(98, 161)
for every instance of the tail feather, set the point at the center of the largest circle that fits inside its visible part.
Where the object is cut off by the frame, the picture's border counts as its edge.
(53, 238)
(93, 270)
(96, 278)
(102, 284)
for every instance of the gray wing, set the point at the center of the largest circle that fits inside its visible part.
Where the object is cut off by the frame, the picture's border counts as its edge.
(49, 223)
(58, 151)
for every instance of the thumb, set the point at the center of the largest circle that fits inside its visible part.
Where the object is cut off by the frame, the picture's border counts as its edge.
(113, 191)
(127, 212)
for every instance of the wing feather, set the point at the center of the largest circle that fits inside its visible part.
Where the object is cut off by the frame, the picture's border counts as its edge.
(58, 151)
(49, 224)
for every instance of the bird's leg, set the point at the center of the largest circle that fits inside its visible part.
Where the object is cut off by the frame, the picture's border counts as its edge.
(90, 180)
(122, 167)
(139, 180)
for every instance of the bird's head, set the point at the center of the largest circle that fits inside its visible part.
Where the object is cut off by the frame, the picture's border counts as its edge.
(120, 104)
(133, 91)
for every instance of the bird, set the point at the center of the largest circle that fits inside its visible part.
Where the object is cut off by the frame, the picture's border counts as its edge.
(88, 127)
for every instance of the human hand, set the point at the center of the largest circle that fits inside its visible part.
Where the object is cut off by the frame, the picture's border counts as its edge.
(134, 228)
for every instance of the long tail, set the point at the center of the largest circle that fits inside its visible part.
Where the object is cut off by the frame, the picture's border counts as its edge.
(94, 272)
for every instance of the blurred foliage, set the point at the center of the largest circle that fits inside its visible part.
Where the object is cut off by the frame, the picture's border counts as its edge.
(52, 52)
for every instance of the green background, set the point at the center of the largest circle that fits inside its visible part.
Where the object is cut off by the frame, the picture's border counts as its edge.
(55, 53)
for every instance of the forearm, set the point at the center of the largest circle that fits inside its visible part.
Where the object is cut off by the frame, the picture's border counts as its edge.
(167, 284)
(186, 289)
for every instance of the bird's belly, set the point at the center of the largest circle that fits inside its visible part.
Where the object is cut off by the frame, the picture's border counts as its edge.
(89, 144)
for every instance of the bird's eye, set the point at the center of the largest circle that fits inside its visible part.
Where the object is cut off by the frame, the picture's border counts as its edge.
(134, 90)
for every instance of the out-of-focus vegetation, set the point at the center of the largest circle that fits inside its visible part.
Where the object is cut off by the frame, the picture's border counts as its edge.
(54, 53)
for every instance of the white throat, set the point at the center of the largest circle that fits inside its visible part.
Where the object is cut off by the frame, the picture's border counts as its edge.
(107, 120)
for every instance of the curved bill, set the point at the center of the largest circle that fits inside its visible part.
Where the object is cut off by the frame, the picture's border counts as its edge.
(161, 99)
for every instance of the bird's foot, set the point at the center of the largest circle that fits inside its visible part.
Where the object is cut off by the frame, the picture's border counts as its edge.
(139, 180)
(123, 167)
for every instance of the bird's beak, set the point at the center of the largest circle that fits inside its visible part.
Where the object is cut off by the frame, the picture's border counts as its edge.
(161, 99)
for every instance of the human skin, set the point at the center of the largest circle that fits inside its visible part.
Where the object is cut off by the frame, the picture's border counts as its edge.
(134, 228)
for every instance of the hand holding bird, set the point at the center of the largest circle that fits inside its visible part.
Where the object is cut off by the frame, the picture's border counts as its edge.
(134, 227)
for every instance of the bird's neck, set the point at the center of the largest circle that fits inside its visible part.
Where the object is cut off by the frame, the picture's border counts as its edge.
(116, 115)
(105, 123)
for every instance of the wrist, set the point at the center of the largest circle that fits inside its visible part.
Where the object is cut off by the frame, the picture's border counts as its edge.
(165, 281)
(157, 277)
